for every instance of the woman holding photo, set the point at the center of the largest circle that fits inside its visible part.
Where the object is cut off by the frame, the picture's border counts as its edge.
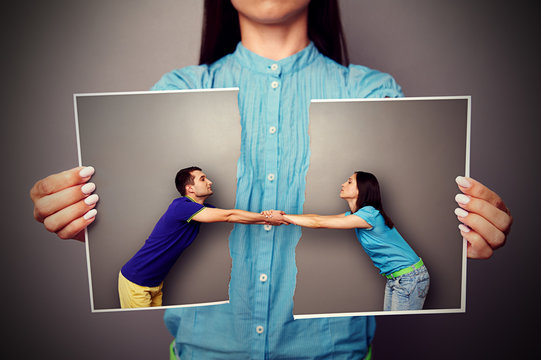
(280, 54)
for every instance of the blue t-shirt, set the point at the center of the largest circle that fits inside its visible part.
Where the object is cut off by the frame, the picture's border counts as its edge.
(274, 97)
(386, 247)
(173, 233)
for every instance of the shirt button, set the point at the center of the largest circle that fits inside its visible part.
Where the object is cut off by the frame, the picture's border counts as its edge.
(274, 84)
(270, 177)
(267, 227)
(263, 277)
(274, 67)
(259, 329)
(272, 129)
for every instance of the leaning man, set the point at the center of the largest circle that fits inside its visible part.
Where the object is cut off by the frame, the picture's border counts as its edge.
(140, 280)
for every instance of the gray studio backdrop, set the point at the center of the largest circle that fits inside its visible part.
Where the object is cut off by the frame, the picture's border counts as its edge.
(415, 148)
(138, 142)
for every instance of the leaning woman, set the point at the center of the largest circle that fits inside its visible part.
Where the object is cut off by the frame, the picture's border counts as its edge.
(407, 276)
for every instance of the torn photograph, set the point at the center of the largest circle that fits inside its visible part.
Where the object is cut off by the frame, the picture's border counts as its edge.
(378, 236)
(159, 157)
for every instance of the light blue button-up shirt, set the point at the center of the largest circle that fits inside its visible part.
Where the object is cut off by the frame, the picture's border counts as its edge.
(274, 98)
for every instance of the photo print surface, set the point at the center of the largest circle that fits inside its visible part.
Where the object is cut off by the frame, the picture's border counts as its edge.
(416, 147)
(137, 141)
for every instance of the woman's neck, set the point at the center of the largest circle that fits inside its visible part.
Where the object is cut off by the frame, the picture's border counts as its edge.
(352, 203)
(275, 41)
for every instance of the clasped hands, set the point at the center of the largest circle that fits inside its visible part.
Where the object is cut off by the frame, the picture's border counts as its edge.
(275, 217)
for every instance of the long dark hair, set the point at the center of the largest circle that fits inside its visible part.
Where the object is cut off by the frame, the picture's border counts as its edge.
(370, 195)
(221, 30)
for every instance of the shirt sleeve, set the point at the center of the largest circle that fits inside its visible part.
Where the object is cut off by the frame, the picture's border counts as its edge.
(190, 77)
(368, 214)
(185, 210)
(364, 82)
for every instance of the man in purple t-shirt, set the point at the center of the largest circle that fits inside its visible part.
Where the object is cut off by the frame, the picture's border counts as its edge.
(140, 280)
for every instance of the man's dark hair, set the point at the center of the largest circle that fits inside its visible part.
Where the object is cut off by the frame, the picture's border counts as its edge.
(370, 195)
(184, 177)
(221, 30)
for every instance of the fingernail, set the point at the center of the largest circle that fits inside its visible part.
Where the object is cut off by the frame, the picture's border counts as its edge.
(88, 188)
(463, 228)
(462, 181)
(90, 214)
(86, 171)
(92, 199)
(462, 199)
(461, 212)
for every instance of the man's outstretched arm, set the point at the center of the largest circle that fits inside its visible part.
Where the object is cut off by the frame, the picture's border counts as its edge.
(210, 215)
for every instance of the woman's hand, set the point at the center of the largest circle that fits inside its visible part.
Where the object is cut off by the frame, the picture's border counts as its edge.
(486, 220)
(64, 202)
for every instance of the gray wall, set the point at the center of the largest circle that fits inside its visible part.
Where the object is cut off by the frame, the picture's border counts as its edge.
(56, 48)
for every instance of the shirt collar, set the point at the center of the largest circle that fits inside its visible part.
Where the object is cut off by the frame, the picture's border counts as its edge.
(287, 65)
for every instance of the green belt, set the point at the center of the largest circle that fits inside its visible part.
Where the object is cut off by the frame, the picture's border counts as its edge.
(404, 270)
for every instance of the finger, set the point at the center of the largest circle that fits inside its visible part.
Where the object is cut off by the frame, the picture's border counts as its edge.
(478, 248)
(474, 188)
(62, 218)
(59, 181)
(500, 219)
(74, 230)
(50, 204)
(493, 236)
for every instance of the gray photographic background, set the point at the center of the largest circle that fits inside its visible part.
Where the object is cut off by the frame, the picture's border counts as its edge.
(389, 139)
(486, 49)
(137, 143)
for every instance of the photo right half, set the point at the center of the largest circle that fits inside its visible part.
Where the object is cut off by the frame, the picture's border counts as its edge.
(415, 147)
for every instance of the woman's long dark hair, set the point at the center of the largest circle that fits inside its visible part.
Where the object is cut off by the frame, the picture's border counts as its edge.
(370, 195)
(221, 31)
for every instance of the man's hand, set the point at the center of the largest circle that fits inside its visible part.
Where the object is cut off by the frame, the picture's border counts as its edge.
(486, 220)
(274, 217)
(64, 202)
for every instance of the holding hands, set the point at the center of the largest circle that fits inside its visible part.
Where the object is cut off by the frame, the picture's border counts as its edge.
(485, 220)
(275, 217)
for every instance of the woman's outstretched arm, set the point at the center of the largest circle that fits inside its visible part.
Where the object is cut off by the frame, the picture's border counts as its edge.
(340, 221)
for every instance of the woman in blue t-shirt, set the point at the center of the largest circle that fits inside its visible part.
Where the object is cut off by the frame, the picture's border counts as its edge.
(407, 276)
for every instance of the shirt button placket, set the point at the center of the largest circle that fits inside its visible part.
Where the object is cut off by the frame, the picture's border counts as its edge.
(265, 254)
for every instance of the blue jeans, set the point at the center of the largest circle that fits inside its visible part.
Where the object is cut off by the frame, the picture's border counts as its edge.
(407, 292)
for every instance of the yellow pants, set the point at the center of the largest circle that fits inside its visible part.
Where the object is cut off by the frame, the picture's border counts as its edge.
(137, 296)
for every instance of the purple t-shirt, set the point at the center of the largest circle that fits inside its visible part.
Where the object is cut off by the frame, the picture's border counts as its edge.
(173, 233)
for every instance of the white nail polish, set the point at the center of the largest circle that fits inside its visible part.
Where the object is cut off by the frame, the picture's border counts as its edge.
(92, 199)
(462, 199)
(89, 215)
(463, 228)
(86, 171)
(88, 188)
(462, 181)
(461, 212)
